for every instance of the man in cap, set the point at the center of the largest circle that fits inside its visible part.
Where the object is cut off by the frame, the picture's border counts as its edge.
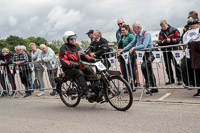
(90, 35)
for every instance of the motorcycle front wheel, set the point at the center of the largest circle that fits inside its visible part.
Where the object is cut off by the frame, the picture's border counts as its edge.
(119, 93)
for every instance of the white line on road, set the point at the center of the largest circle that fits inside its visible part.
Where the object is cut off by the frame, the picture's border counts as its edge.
(165, 96)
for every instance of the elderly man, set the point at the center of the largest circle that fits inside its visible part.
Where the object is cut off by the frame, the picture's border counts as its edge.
(98, 46)
(37, 67)
(20, 58)
(143, 40)
(120, 22)
(45, 57)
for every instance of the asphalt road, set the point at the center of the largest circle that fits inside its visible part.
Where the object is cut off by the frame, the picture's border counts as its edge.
(49, 115)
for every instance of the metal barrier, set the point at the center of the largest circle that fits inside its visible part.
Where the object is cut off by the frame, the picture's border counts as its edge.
(26, 79)
(161, 62)
(23, 77)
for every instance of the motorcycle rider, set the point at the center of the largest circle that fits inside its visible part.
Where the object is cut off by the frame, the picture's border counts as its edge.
(70, 61)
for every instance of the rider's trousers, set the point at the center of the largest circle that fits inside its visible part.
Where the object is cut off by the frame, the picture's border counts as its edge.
(79, 76)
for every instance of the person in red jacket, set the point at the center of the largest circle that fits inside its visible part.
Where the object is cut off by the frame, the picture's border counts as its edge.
(70, 61)
(170, 36)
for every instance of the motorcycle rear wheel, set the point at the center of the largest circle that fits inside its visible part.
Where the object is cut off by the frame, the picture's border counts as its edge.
(69, 94)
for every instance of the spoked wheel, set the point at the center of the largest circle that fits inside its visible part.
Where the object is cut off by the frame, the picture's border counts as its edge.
(119, 94)
(69, 94)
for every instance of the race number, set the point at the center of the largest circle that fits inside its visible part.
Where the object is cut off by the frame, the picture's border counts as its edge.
(100, 66)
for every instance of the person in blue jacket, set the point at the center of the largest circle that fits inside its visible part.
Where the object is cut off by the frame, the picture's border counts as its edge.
(143, 41)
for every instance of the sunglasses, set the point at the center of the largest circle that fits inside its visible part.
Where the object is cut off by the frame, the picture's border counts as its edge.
(119, 24)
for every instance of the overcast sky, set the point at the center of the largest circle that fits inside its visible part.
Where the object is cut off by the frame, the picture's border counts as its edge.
(51, 18)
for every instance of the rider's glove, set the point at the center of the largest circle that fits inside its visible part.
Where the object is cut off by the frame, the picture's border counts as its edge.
(75, 65)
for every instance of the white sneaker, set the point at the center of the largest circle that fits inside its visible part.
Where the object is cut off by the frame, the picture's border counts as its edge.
(40, 94)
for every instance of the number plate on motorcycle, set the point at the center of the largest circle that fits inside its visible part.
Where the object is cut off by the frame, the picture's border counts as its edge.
(100, 66)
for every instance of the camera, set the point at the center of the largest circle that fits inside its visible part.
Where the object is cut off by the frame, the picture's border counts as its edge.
(191, 22)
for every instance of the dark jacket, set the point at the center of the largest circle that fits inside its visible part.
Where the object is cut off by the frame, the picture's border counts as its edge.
(118, 34)
(99, 47)
(7, 60)
(194, 54)
(171, 33)
(69, 53)
(1, 55)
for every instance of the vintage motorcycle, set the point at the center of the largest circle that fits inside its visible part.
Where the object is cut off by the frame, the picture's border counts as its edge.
(107, 85)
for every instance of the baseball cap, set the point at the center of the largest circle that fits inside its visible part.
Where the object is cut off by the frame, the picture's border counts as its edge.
(90, 31)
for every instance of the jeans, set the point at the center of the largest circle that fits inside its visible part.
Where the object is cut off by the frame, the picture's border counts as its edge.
(39, 76)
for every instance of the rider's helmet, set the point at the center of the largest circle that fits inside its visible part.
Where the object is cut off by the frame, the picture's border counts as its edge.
(68, 35)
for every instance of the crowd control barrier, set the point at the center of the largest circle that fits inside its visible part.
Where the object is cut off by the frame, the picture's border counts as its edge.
(172, 55)
(25, 78)
(21, 78)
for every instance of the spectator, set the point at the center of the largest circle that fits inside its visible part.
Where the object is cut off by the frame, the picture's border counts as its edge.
(98, 47)
(186, 27)
(169, 36)
(45, 57)
(29, 60)
(124, 40)
(143, 40)
(120, 22)
(7, 60)
(190, 63)
(20, 58)
(37, 67)
(90, 35)
(29, 55)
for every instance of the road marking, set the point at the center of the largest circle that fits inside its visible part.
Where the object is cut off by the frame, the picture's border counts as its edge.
(165, 96)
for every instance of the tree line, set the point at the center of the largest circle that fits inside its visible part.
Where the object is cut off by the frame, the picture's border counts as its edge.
(12, 41)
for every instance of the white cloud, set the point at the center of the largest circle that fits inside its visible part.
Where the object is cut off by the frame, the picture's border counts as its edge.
(12, 21)
(50, 18)
(31, 22)
(60, 19)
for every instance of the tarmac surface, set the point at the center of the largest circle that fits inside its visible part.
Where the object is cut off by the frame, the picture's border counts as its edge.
(175, 112)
